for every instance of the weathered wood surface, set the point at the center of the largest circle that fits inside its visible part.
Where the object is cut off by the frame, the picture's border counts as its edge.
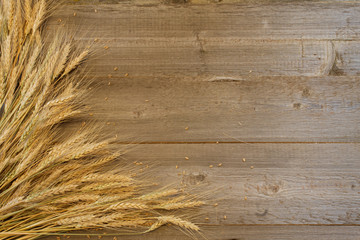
(267, 109)
(240, 232)
(291, 38)
(283, 75)
(277, 183)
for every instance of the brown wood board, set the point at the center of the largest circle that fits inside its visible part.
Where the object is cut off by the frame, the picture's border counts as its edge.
(274, 82)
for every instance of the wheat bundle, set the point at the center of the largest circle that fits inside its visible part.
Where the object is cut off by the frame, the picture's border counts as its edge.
(51, 183)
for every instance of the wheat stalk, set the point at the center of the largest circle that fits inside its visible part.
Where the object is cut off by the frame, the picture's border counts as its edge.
(52, 183)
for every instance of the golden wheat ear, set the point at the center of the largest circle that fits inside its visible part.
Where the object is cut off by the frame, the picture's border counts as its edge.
(52, 179)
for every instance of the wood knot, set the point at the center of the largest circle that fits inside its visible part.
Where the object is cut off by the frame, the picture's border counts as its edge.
(194, 178)
(297, 106)
(306, 92)
(270, 189)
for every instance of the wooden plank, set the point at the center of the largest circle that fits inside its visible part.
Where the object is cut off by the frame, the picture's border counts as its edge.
(282, 183)
(228, 109)
(281, 20)
(246, 232)
(293, 39)
(193, 57)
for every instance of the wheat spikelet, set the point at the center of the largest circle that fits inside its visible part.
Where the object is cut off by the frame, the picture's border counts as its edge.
(180, 205)
(159, 194)
(104, 160)
(47, 208)
(88, 150)
(106, 219)
(112, 198)
(174, 200)
(62, 60)
(178, 222)
(155, 225)
(77, 198)
(39, 15)
(60, 100)
(128, 223)
(11, 204)
(107, 185)
(76, 220)
(75, 62)
(51, 192)
(127, 205)
(27, 9)
(6, 54)
(94, 177)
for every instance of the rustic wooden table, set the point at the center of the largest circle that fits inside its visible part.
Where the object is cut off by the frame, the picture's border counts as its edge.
(274, 82)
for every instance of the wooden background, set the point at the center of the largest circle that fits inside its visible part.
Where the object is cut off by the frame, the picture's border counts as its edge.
(274, 82)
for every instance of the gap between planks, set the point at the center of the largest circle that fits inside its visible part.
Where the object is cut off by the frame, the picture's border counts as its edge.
(236, 142)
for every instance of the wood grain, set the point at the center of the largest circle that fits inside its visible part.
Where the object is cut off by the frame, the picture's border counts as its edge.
(293, 39)
(228, 109)
(245, 232)
(203, 81)
(277, 183)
